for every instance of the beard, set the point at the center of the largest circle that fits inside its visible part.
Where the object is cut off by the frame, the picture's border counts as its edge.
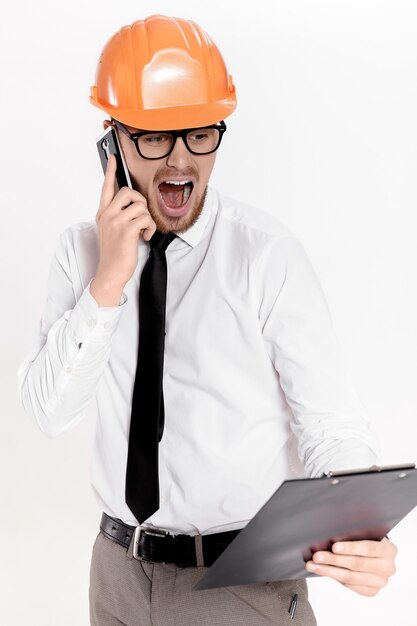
(167, 223)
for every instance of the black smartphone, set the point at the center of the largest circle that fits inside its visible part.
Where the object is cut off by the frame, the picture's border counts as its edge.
(108, 143)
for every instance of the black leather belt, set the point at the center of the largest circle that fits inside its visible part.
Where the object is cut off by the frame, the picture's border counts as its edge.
(160, 546)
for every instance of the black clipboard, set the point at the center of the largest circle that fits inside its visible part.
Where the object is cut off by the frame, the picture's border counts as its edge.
(310, 514)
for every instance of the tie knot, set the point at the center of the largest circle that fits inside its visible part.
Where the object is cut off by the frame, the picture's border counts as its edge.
(161, 240)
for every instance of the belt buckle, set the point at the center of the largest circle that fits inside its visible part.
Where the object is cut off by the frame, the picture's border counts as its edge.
(137, 537)
(136, 542)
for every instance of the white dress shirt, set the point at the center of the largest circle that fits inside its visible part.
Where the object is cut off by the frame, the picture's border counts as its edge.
(251, 359)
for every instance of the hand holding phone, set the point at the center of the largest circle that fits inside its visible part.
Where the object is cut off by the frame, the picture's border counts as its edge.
(122, 218)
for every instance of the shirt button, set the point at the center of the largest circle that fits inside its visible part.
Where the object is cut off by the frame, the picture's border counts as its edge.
(68, 370)
(107, 324)
(91, 322)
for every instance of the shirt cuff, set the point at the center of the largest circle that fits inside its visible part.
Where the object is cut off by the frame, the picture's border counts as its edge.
(88, 318)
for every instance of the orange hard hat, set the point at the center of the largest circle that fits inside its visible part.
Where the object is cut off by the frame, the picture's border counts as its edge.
(163, 73)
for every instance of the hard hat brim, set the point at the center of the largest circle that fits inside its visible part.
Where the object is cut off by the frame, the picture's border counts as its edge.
(171, 118)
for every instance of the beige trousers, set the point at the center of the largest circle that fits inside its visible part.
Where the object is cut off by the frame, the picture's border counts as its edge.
(127, 592)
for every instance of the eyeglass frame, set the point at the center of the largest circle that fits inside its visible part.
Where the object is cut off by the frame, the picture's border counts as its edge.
(221, 127)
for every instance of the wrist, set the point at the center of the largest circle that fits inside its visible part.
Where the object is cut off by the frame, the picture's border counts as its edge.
(106, 292)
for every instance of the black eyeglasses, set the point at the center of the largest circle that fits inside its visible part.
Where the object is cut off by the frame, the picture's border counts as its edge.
(159, 144)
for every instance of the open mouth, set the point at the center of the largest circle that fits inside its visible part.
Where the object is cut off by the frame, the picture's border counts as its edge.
(175, 195)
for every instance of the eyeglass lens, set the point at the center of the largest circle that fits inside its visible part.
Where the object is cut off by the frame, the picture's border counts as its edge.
(199, 140)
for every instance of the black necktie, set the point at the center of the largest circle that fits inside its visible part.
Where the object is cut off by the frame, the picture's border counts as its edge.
(147, 420)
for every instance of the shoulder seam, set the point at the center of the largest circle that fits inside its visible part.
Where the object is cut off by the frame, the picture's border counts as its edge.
(256, 228)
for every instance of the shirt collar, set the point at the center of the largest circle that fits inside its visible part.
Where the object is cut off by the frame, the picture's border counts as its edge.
(193, 235)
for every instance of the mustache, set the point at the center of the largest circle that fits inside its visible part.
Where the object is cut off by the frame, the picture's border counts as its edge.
(173, 173)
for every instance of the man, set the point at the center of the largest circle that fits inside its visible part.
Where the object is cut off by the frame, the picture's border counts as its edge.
(231, 309)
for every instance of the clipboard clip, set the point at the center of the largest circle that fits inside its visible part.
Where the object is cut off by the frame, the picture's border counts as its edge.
(368, 470)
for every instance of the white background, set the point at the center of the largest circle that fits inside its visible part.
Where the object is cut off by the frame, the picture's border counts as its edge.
(324, 137)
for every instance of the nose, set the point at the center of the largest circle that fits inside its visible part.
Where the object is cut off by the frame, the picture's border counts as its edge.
(180, 156)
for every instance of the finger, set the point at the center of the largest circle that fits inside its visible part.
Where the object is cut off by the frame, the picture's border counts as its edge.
(144, 225)
(125, 198)
(363, 590)
(372, 549)
(356, 563)
(347, 577)
(108, 188)
(149, 231)
(133, 211)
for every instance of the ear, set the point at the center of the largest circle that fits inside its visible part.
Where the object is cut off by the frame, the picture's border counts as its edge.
(106, 124)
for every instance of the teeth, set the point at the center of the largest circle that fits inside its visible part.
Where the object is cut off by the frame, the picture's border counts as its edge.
(178, 182)
(187, 192)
